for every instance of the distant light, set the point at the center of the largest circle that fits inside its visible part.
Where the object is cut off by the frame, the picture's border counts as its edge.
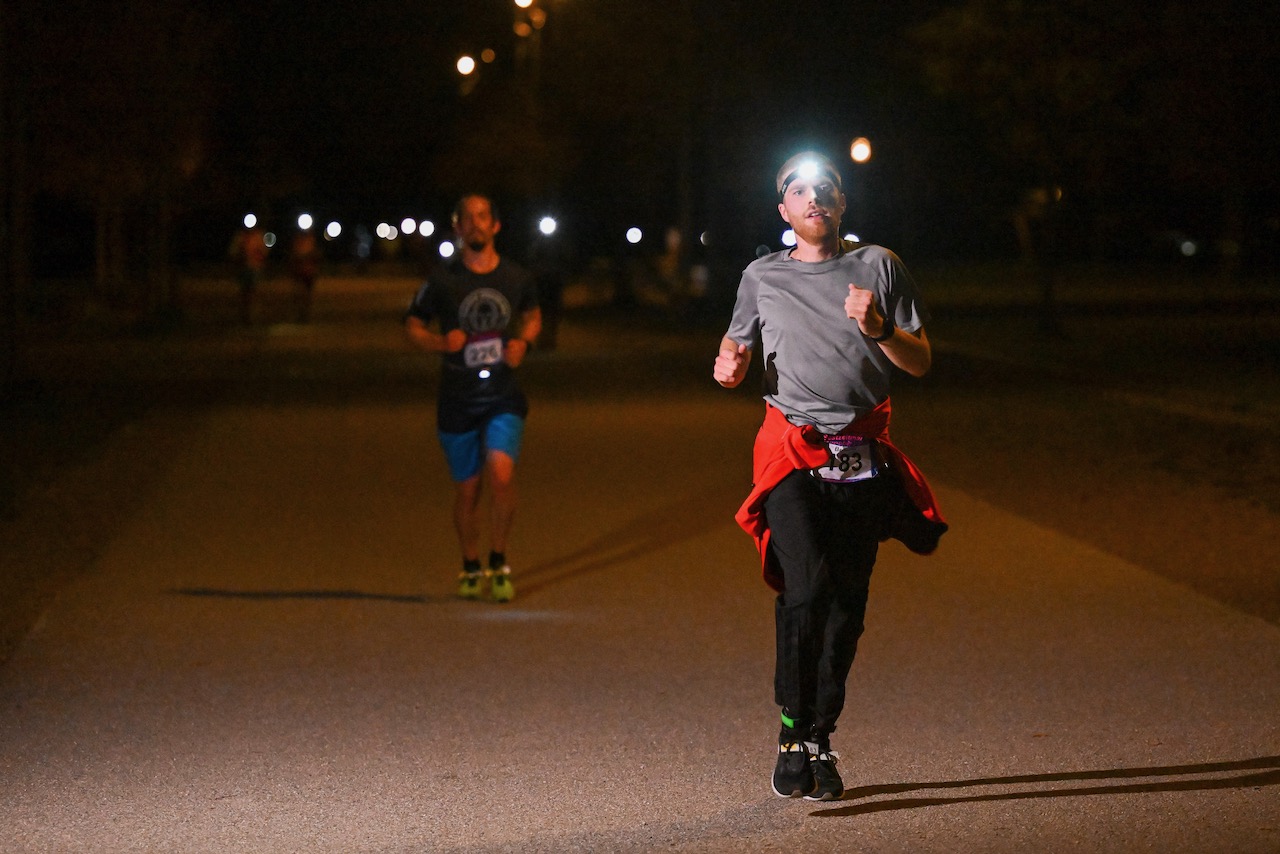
(305, 221)
(634, 235)
(487, 55)
(860, 150)
(269, 239)
(524, 4)
(522, 29)
(250, 220)
(547, 225)
(466, 65)
(332, 230)
(426, 228)
(853, 237)
(392, 233)
(1188, 248)
(408, 225)
(446, 249)
(484, 374)
(705, 238)
(382, 230)
(788, 238)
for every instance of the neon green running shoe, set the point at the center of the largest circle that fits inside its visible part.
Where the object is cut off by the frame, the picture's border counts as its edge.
(500, 587)
(470, 585)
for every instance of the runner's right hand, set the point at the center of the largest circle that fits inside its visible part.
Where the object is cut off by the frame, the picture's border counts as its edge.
(454, 340)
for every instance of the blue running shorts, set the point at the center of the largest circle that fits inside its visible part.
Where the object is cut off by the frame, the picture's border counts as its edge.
(465, 452)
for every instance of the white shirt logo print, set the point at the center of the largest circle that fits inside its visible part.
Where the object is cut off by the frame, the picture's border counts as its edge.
(483, 315)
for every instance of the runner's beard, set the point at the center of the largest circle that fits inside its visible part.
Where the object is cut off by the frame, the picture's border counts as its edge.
(815, 231)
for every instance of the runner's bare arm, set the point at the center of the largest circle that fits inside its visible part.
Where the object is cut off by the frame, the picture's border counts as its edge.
(910, 352)
(530, 329)
(426, 338)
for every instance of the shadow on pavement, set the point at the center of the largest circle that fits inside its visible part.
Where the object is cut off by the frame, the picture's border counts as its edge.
(270, 595)
(649, 532)
(1203, 777)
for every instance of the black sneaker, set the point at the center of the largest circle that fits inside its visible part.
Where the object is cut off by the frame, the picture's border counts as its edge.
(822, 761)
(793, 775)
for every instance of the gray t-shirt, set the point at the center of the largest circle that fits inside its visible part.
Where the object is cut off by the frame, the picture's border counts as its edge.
(819, 368)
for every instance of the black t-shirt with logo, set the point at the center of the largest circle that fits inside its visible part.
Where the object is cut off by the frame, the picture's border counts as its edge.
(476, 383)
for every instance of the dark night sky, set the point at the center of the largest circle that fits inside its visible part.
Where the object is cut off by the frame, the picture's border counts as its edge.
(361, 96)
(359, 103)
(356, 109)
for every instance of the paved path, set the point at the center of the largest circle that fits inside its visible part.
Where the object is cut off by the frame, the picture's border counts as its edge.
(266, 658)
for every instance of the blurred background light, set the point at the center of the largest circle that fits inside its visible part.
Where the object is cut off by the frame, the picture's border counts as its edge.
(634, 235)
(547, 225)
(860, 150)
(250, 220)
(426, 228)
(305, 221)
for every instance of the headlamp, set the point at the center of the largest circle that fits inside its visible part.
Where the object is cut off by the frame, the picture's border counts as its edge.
(806, 167)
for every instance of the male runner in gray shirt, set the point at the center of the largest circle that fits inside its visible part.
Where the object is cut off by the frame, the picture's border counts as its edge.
(832, 319)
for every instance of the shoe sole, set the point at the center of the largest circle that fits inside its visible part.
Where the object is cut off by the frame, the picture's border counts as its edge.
(825, 796)
(797, 793)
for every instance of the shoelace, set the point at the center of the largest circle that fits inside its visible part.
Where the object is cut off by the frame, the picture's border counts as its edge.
(816, 752)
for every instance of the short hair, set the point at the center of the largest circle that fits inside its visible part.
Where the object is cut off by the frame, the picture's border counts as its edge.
(457, 206)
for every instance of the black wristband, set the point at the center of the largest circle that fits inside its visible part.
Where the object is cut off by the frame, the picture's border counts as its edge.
(886, 335)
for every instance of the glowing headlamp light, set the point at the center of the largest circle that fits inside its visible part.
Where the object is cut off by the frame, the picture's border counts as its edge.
(809, 170)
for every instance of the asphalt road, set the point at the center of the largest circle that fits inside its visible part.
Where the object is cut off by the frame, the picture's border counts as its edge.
(260, 651)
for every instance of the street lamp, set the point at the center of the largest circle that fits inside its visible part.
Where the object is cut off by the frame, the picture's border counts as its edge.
(466, 66)
(860, 150)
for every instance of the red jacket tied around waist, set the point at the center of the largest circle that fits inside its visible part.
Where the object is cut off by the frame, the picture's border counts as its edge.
(781, 448)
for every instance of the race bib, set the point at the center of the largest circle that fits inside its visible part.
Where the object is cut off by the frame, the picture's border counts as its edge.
(483, 349)
(852, 458)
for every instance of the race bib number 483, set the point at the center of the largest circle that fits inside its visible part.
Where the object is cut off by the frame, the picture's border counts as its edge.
(852, 458)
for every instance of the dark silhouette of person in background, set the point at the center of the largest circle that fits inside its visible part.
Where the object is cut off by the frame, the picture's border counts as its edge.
(304, 267)
(249, 249)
